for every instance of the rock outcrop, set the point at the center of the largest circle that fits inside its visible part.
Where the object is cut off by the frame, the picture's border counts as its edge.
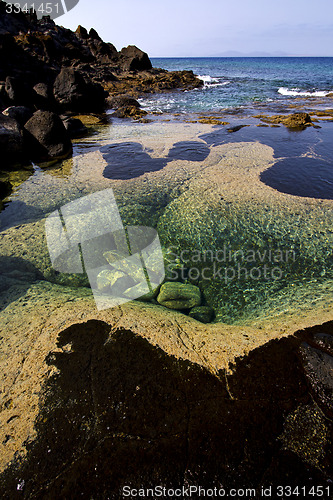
(73, 93)
(47, 137)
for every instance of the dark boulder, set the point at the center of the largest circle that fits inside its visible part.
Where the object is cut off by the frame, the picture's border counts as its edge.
(18, 92)
(5, 189)
(134, 59)
(11, 141)
(19, 113)
(73, 93)
(204, 314)
(43, 96)
(116, 102)
(46, 136)
(75, 127)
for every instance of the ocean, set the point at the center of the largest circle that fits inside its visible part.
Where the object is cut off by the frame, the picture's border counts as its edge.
(243, 82)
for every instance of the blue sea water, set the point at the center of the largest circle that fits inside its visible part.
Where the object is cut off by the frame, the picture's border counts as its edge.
(231, 82)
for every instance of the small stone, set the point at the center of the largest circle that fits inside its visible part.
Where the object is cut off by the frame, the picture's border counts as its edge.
(139, 291)
(179, 296)
(107, 279)
(202, 313)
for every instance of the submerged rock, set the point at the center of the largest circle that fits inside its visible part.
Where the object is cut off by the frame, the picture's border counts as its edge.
(204, 314)
(108, 278)
(179, 296)
(295, 120)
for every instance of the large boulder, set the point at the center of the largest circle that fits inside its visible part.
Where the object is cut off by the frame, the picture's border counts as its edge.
(179, 296)
(5, 189)
(43, 96)
(11, 141)
(18, 92)
(47, 137)
(134, 59)
(75, 127)
(73, 93)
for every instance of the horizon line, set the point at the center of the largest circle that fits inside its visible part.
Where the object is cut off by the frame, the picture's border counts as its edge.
(239, 56)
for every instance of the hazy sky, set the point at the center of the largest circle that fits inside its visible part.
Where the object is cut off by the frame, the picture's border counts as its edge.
(210, 27)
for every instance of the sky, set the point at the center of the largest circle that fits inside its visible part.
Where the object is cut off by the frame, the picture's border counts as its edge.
(199, 28)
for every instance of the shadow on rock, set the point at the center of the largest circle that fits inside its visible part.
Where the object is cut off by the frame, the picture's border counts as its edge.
(128, 160)
(122, 412)
(189, 150)
(17, 275)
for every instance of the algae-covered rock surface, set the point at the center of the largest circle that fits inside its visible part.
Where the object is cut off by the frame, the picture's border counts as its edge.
(225, 391)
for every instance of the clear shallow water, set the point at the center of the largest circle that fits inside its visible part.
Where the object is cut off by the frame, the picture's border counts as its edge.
(243, 81)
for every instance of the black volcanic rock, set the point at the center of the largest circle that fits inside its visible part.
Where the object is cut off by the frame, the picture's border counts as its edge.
(11, 141)
(93, 34)
(134, 59)
(116, 102)
(73, 93)
(81, 32)
(75, 127)
(19, 113)
(46, 136)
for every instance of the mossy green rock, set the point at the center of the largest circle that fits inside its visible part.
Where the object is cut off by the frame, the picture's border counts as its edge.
(179, 296)
(202, 313)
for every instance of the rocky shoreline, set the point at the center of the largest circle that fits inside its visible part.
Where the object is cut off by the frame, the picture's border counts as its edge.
(49, 73)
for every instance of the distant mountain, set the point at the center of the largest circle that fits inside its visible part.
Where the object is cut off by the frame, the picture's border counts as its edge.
(234, 53)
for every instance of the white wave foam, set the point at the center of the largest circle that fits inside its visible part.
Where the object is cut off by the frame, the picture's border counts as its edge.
(297, 92)
(207, 79)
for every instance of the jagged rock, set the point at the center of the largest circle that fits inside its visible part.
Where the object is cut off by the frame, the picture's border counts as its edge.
(179, 296)
(202, 313)
(75, 127)
(295, 120)
(93, 34)
(81, 32)
(73, 93)
(236, 128)
(134, 59)
(116, 102)
(19, 113)
(129, 112)
(46, 136)
(11, 141)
